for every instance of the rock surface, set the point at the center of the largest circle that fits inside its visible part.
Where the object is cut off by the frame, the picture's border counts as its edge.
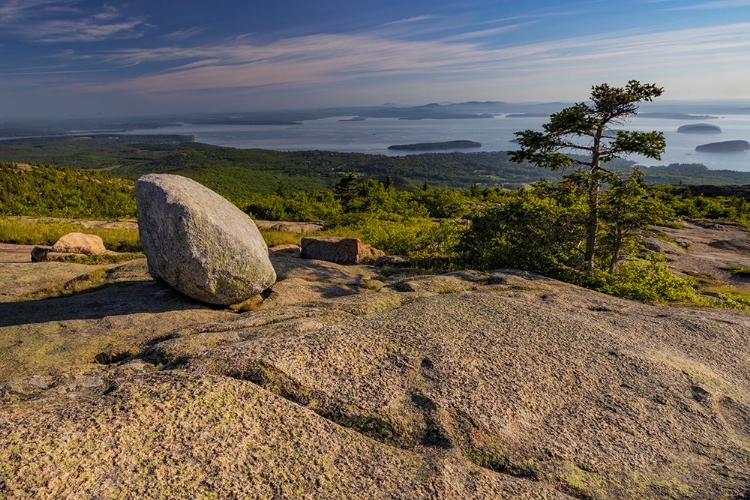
(198, 242)
(497, 385)
(80, 243)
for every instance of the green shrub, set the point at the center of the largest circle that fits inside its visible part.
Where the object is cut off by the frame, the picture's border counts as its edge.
(645, 280)
(531, 231)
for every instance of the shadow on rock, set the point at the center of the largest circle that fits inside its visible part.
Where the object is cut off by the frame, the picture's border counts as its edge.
(128, 297)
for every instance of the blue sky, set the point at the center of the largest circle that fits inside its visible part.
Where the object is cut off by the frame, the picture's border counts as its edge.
(84, 57)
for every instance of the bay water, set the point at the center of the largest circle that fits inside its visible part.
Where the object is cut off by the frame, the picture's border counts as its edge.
(374, 135)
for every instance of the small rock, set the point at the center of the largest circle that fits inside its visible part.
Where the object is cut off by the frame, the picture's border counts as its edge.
(664, 247)
(286, 250)
(91, 382)
(39, 253)
(292, 227)
(86, 244)
(392, 261)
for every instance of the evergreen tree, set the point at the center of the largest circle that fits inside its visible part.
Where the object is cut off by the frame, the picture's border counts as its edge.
(581, 136)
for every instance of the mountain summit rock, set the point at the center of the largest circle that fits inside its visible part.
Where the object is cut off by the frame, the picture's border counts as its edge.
(198, 242)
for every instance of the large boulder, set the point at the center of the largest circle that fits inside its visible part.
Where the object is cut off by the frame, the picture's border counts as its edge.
(198, 242)
(86, 244)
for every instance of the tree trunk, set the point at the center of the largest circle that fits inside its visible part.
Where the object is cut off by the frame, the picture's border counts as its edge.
(595, 184)
(593, 222)
(615, 253)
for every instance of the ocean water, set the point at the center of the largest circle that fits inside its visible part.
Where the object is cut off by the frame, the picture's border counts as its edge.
(374, 135)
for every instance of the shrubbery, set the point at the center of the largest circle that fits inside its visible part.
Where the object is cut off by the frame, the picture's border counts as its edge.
(540, 228)
(58, 192)
(646, 280)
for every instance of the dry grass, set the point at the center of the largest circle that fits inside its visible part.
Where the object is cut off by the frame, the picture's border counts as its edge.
(48, 231)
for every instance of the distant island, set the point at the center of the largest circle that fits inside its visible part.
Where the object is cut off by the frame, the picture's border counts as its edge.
(724, 147)
(354, 119)
(527, 115)
(699, 128)
(434, 146)
(456, 116)
(677, 116)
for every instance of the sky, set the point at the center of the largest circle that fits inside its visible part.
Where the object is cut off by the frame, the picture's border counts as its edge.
(144, 57)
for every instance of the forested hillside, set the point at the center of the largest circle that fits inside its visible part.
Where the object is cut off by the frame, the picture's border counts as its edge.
(51, 191)
(237, 172)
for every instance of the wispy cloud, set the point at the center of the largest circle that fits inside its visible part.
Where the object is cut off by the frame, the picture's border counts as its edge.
(473, 35)
(414, 19)
(715, 4)
(53, 21)
(15, 10)
(184, 34)
(337, 58)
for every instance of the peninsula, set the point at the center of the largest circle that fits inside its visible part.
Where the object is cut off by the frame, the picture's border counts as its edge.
(434, 146)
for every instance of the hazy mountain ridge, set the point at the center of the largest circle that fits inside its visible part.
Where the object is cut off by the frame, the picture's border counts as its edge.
(23, 127)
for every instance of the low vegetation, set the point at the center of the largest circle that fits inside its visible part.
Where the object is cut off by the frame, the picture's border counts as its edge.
(47, 231)
(56, 192)
(540, 227)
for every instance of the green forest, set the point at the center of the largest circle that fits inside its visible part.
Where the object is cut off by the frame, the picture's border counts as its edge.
(238, 172)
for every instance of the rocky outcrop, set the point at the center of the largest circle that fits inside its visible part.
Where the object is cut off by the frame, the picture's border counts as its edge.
(339, 250)
(347, 382)
(499, 385)
(199, 243)
(80, 243)
(663, 246)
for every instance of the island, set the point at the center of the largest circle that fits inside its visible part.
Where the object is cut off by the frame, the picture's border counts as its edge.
(447, 116)
(724, 147)
(699, 128)
(527, 115)
(676, 116)
(433, 146)
(354, 119)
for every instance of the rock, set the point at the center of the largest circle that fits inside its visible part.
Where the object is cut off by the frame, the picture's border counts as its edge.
(332, 249)
(292, 227)
(288, 250)
(737, 245)
(373, 253)
(86, 244)
(39, 253)
(393, 261)
(664, 247)
(198, 242)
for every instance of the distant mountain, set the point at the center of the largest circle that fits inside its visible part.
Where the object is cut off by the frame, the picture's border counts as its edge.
(676, 116)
